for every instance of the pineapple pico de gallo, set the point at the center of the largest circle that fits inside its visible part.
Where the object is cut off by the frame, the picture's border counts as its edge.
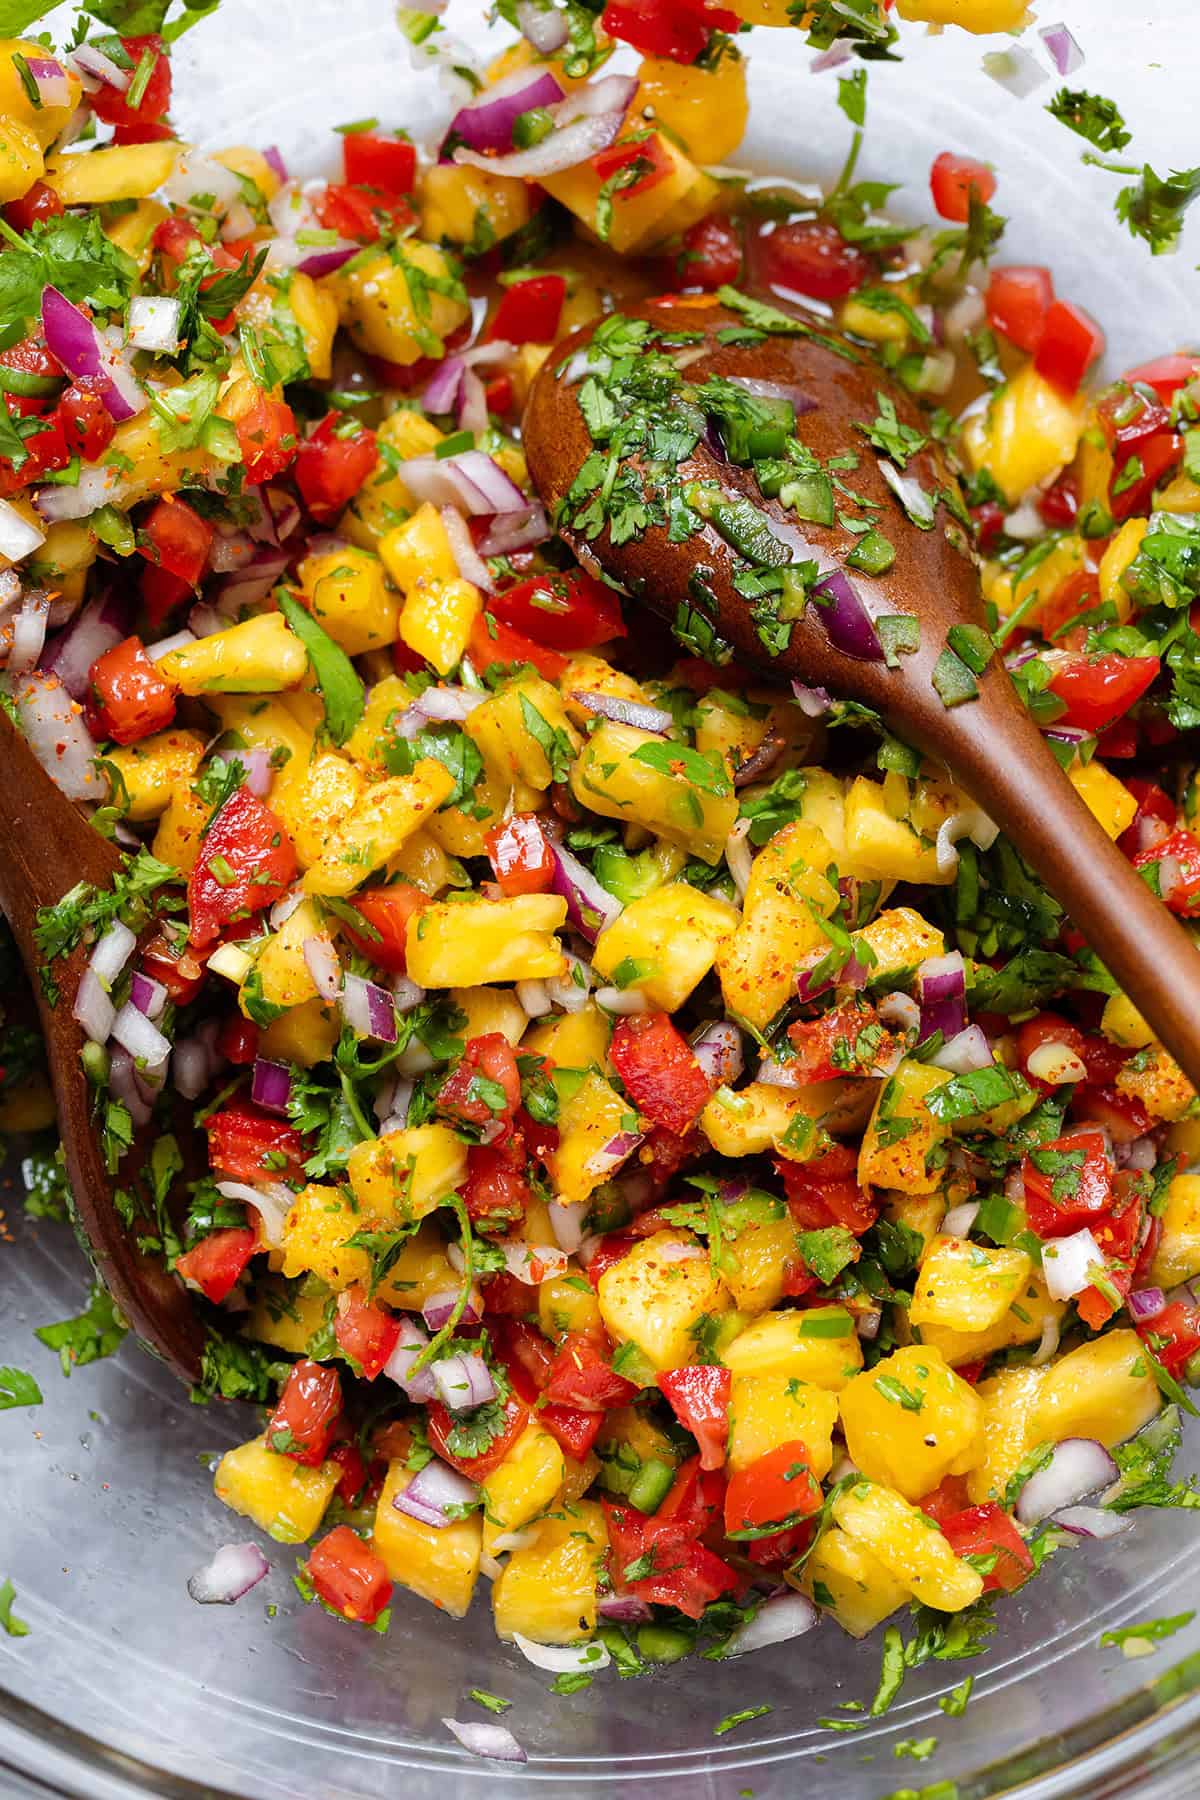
(667, 1155)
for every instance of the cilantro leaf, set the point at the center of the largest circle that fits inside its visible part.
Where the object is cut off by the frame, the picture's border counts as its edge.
(341, 688)
(705, 770)
(1153, 209)
(1091, 116)
(96, 1333)
(71, 253)
(13, 1626)
(17, 1389)
(1153, 1631)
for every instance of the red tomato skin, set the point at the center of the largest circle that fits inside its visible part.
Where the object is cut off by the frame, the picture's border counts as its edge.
(1174, 1336)
(374, 160)
(678, 30)
(181, 973)
(161, 594)
(1165, 374)
(348, 1576)
(387, 911)
(1018, 299)
(37, 202)
(114, 107)
(306, 1412)
(1093, 1187)
(495, 1194)
(610, 1250)
(1059, 505)
(1070, 343)
(440, 1422)
(245, 1144)
(529, 311)
(699, 1397)
(812, 257)
(982, 1530)
(363, 214)
(491, 1056)
(1097, 690)
(330, 469)
(366, 1332)
(260, 857)
(492, 642)
(177, 539)
(238, 1039)
(569, 611)
(521, 858)
(87, 424)
(215, 1264)
(46, 449)
(772, 1489)
(710, 255)
(951, 180)
(1157, 456)
(948, 1498)
(1184, 896)
(128, 698)
(660, 1071)
(580, 1376)
(825, 1191)
(268, 438)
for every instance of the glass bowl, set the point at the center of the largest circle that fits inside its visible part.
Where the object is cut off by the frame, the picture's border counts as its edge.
(124, 1686)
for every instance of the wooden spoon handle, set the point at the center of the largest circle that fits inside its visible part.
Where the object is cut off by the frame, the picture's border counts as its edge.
(996, 752)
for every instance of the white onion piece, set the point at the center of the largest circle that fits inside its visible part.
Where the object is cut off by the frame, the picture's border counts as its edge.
(568, 994)
(543, 25)
(112, 952)
(719, 1051)
(901, 1011)
(93, 1009)
(1057, 1064)
(272, 1202)
(566, 1222)
(965, 1053)
(1069, 1263)
(738, 857)
(1092, 1521)
(971, 822)
(563, 1659)
(143, 1040)
(233, 1571)
(1015, 69)
(1077, 1466)
(18, 537)
(153, 323)
(470, 564)
(58, 737)
(959, 1220)
(533, 999)
(321, 961)
(29, 632)
(197, 174)
(496, 1741)
(622, 1001)
(407, 993)
(97, 70)
(463, 1381)
(177, 641)
(786, 1616)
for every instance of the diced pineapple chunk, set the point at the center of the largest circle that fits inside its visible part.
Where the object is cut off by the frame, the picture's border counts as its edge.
(564, 1306)
(842, 1576)
(909, 1545)
(259, 656)
(910, 1421)
(314, 800)
(375, 827)
(1177, 1258)
(523, 731)
(490, 1009)
(1028, 433)
(623, 773)
(1108, 800)
(154, 770)
(900, 938)
(400, 303)
(116, 172)
(902, 1132)
(548, 1591)
(1023, 1323)
(654, 1298)
(315, 1231)
(674, 933)
(181, 830)
(758, 963)
(819, 1345)
(1103, 1390)
(284, 1499)
(475, 940)
(706, 109)
(1010, 1399)
(751, 1120)
(757, 1259)
(575, 1040)
(1156, 1079)
(768, 1410)
(966, 1286)
(304, 1034)
(282, 974)
(640, 216)
(972, 15)
(406, 1174)
(472, 206)
(283, 1317)
(346, 593)
(592, 1118)
(885, 846)
(522, 1485)
(422, 1268)
(920, 1213)
(439, 1564)
(439, 607)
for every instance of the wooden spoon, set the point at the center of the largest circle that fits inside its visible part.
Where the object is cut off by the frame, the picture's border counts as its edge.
(990, 745)
(48, 846)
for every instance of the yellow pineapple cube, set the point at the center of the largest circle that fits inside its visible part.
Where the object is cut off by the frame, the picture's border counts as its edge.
(422, 1268)
(564, 1304)
(391, 305)
(965, 1286)
(548, 1591)
(655, 1298)
(1177, 1258)
(623, 773)
(284, 1499)
(1010, 1399)
(1028, 433)
(407, 1174)
(674, 933)
(347, 594)
(902, 1132)
(1102, 1390)
(376, 826)
(519, 730)
(523, 1485)
(909, 1545)
(315, 1231)
(315, 800)
(573, 1041)
(759, 962)
(766, 1411)
(592, 1118)
(842, 1576)
(476, 940)
(756, 1260)
(910, 1421)
(439, 1564)
(1023, 1323)
(260, 656)
(1156, 1079)
(818, 1345)
(283, 1318)
(154, 770)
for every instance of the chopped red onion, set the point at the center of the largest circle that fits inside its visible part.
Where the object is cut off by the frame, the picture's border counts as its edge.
(274, 156)
(283, 909)
(148, 995)
(248, 585)
(533, 1263)
(58, 737)
(776, 1621)
(626, 1609)
(328, 259)
(463, 1381)
(761, 761)
(124, 1087)
(271, 1087)
(93, 1009)
(1056, 1063)
(566, 1222)
(801, 401)
(178, 640)
(369, 1010)
(847, 622)
(233, 1571)
(625, 712)
(918, 503)
(433, 1489)
(496, 1741)
(419, 1387)
(98, 485)
(1092, 1521)
(563, 1659)
(852, 974)
(619, 1148)
(833, 58)
(112, 952)
(590, 907)
(442, 391)
(1146, 1304)
(718, 1049)
(468, 561)
(18, 538)
(143, 1040)
(272, 1201)
(99, 627)
(89, 355)
(438, 1308)
(407, 993)
(1077, 1466)
(1070, 1263)
(487, 122)
(569, 991)
(201, 182)
(586, 122)
(97, 70)
(472, 404)
(814, 702)
(472, 482)
(965, 1053)
(321, 961)
(518, 530)
(542, 25)
(1065, 52)
(195, 1060)
(942, 985)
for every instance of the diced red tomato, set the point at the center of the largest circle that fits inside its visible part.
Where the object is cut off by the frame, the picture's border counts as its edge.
(127, 696)
(387, 911)
(238, 1039)
(1123, 1117)
(678, 30)
(1155, 807)
(499, 394)
(1178, 862)
(306, 1412)
(87, 424)
(1102, 1059)
(529, 311)
(699, 1398)
(348, 1576)
(174, 536)
(39, 202)
(1070, 343)
(660, 1071)
(987, 1531)
(1174, 1336)
(215, 1264)
(825, 1191)
(1098, 689)
(366, 1332)
(495, 1193)
(352, 1463)
(608, 1251)
(634, 166)
(951, 181)
(988, 521)
(1147, 467)
(45, 449)
(333, 463)
(1166, 374)
(949, 1497)
(775, 1490)
(526, 1353)
(836, 1035)
(710, 254)
(441, 1422)
(569, 611)
(522, 860)
(486, 1084)
(573, 1428)
(492, 642)
(581, 1376)
(1059, 505)
(246, 863)
(167, 959)
(1074, 1185)
(375, 160)
(811, 257)
(162, 593)
(363, 216)
(1018, 299)
(155, 97)
(683, 1572)
(268, 439)
(248, 1145)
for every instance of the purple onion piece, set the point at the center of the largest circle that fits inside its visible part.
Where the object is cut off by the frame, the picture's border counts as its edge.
(487, 123)
(590, 907)
(846, 620)
(625, 712)
(271, 1087)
